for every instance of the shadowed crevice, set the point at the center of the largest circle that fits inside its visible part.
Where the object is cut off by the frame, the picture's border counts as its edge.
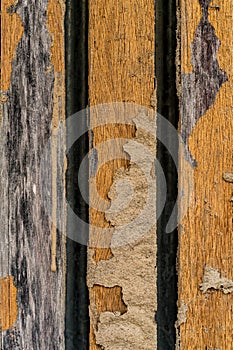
(77, 322)
(168, 107)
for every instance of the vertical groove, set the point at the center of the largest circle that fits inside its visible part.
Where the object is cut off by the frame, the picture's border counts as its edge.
(167, 106)
(77, 299)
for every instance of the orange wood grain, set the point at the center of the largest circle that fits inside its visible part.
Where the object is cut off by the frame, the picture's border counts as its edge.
(11, 33)
(206, 232)
(8, 303)
(121, 69)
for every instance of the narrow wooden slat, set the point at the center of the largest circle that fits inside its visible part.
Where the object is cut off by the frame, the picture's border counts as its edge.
(205, 238)
(32, 246)
(121, 69)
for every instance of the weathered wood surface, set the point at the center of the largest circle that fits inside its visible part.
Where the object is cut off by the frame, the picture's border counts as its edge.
(205, 235)
(32, 102)
(121, 69)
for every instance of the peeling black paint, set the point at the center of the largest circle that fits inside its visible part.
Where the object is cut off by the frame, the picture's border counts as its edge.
(199, 88)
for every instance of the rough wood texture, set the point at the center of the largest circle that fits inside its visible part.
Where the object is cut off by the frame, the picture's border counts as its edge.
(205, 237)
(30, 115)
(11, 33)
(121, 47)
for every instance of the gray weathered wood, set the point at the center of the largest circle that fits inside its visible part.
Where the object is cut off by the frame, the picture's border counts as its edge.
(25, 241)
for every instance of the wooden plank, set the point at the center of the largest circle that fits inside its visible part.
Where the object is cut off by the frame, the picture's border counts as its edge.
(121, 69)
(205, 237)
(32, 268)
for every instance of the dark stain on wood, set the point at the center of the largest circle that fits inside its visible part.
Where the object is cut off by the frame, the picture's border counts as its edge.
(199, 88)
(26, 228)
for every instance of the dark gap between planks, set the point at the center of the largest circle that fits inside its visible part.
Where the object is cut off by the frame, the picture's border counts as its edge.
(168, 107)
(77, 323)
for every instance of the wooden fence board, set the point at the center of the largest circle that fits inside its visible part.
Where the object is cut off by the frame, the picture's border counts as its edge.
(205, 234)
(121, 69)
(32, 265)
